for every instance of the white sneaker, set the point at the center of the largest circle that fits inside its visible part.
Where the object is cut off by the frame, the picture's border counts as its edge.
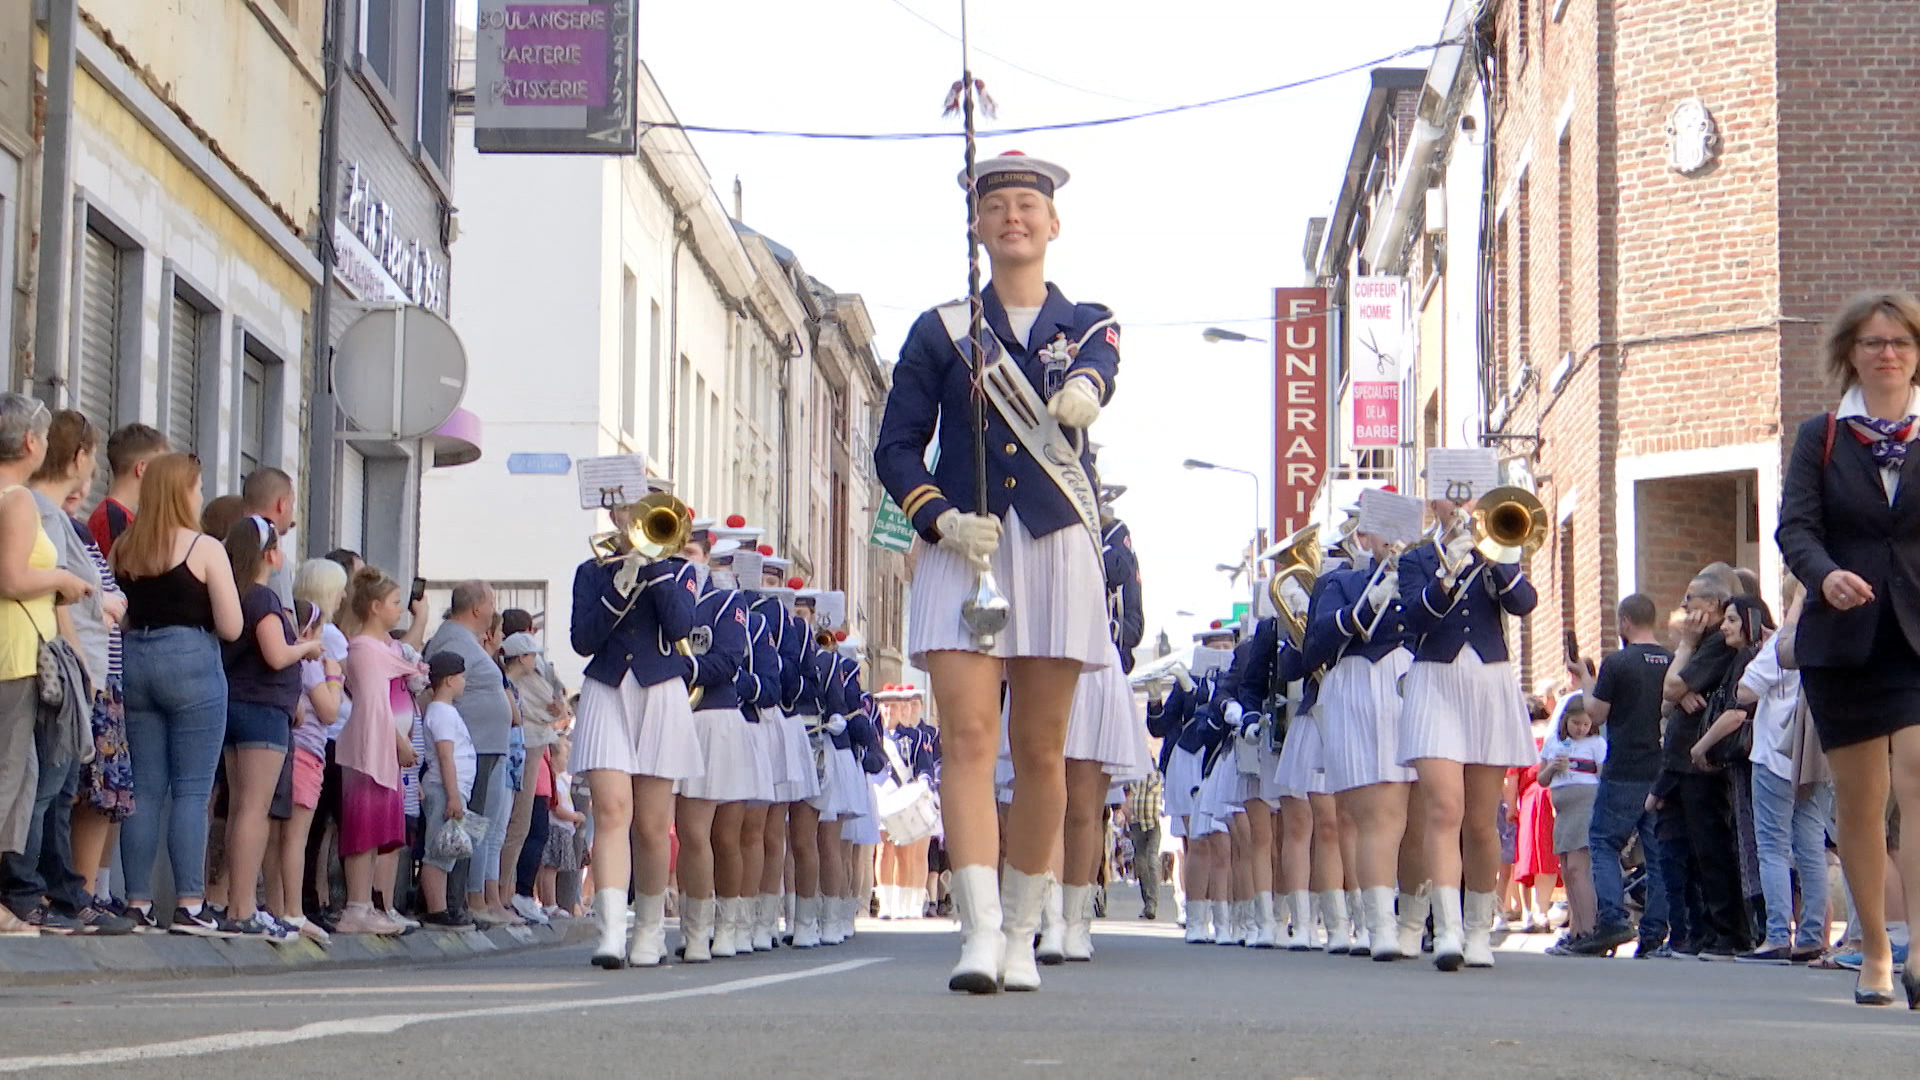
(529, 909)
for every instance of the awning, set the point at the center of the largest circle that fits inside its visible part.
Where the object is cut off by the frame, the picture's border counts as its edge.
(456, 442)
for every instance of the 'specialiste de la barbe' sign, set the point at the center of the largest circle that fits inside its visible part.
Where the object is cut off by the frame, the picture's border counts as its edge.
(555, 77)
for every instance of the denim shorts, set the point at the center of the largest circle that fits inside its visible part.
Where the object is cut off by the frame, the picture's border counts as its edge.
(253, 726)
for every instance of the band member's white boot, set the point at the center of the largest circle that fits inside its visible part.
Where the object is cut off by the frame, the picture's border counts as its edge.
(761, 919)
(787, 902)
(1053, 927)
(1199, 923)
(976, 903)
(610, 907)
(831, 930)
(806, 922)
(1479, 930)
(1078, 903)
(1247, 914)
(1448, 947)
(916, 903)
(696, 928)
(726, 920)
(1383, 933)
(1357, 917)
(1299, 912)
(1333, 913)
(1266, 931)
(647, 946)
(1022, 898)
(1226, 923)
(1412, 920)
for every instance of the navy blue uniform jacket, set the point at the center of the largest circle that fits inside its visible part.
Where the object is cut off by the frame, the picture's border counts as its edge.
(1122, 569)
(642, 642)
(932, 391)
(1476, 621)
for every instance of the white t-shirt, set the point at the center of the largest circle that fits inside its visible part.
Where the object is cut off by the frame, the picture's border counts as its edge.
(445, 725)
(1020, 320)
(1779, 692)
(1592, 749)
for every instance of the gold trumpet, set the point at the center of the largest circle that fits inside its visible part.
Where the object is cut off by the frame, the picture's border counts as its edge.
(657, 527)
(1509, 524)
(1298, 560)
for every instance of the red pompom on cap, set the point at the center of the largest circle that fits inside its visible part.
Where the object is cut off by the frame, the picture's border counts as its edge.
(839, 635)
(796, 583)
(766, 550)
(736, 521)
(1216, 625)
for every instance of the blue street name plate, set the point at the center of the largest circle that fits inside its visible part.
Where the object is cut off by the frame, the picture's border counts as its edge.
(539, 464)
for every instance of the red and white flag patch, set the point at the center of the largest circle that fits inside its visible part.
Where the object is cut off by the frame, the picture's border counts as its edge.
(1113, 337)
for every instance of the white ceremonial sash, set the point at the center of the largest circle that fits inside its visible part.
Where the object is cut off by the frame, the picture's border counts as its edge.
(1015, 399)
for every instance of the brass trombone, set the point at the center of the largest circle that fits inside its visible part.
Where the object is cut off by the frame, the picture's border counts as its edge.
(656, 528)
(1509, 518)
(1297, 559)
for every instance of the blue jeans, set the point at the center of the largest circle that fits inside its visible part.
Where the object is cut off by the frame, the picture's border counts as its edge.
(498, 812)
(1620, 812)
(1790, 833)
(44, 869)
(176, 704)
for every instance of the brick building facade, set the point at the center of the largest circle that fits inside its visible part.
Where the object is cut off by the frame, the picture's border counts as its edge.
(1656, 293)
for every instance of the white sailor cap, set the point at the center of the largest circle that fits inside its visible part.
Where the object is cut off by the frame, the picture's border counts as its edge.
(723, 549)
(702, 528)
(776, 564)
(1220, 628)
(1014, 169)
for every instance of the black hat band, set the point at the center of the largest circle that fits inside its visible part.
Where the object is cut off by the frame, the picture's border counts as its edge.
(1014, 178)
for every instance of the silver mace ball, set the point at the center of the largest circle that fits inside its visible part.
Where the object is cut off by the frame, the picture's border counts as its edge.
(985, 611)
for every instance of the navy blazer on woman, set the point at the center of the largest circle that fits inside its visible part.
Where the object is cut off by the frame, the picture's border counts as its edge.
(932, 390)
(1836, 517)
(1263, 665)
(1444, 625)
(641, 641)
(1344, 613)
(1122, 569)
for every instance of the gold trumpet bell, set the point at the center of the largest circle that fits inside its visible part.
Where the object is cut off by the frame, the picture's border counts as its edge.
(658, 526)
(1510, 523)
(1298, 560)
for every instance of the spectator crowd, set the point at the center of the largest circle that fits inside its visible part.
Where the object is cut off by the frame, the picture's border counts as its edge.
(262, 748)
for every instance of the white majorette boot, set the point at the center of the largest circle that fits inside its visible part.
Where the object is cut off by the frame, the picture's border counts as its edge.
(885, 895)
(763, 911)
(1053, 927)
(1412, 920)
(1448, 948)
(1299, 910)
(831, 931)
(788, 901)
(1078, 902)
(1479, 930)
(1022, 898)
(610, 907)
(1357, 918)
(725, 923)
(1266, 931)
(806, 922)
(850, 910)
(976, 903)
(1383, 934)
(696, 928)
(1333, 912)
(1199, 923)
(1249, 912)
(1226, 923)
(647, 945)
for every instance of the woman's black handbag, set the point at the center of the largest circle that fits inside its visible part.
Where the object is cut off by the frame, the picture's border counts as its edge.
(1737, 746)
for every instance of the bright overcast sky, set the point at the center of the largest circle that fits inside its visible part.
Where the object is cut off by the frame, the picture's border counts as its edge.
(1177, 222)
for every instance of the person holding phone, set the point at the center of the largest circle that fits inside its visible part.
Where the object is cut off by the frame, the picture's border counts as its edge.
(1570, 767)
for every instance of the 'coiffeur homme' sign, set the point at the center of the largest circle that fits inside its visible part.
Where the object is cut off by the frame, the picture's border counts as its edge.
(555, 77)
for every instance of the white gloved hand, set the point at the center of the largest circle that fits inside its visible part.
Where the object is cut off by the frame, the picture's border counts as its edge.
(1460, 549)
(1075, 405)
(1295, 596)
(975, 536)
(1181, 676)
(836, 724)
(1234, 712)
(1384, 591)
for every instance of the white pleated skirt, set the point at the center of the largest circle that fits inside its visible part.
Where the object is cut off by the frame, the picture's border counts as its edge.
(865, 828)
(844, 795)
(1182, 782)
(1224, 792)
(796, 779)
(1103, 725)
(1301, 770)
(1264, 786)
(1361, 704)
(1465, 711)
(637, 730)
(1054, 585)
(736, 764)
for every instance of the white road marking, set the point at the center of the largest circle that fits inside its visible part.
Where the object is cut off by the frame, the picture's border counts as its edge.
(387, 1025)
(382, 991)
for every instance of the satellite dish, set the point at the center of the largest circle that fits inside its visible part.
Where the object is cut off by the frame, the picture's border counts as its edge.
(399, 372)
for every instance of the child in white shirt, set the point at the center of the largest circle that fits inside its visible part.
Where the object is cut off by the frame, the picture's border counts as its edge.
(1570, 767)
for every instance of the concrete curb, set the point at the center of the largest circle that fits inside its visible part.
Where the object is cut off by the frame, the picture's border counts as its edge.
(52, 961)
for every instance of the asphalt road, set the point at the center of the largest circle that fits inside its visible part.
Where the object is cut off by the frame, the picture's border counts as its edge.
(1149, 1005)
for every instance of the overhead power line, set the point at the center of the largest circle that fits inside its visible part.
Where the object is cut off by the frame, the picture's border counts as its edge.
(1042, 76)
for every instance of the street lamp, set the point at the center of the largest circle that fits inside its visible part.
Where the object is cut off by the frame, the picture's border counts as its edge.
(1216, 334)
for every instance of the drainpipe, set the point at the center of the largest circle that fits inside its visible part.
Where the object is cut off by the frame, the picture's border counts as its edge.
(680, 227)
(322, 418)
(56, 202)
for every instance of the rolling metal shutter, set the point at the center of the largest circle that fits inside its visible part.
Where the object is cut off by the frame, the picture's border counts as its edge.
(183, 375)
(97, 365)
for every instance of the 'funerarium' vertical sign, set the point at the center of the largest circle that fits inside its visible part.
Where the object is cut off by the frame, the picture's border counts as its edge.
(555, 77)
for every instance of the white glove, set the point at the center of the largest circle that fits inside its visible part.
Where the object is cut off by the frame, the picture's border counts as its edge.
(1295, 596)
(1460, 549)
(1181, 676)
(975, 536)
(1384, 591)
(836, 724)
(1075, 404)
(1234, 712)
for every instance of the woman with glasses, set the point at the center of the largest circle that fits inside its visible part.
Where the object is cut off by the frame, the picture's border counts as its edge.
(1850, 529)
(31, 584)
